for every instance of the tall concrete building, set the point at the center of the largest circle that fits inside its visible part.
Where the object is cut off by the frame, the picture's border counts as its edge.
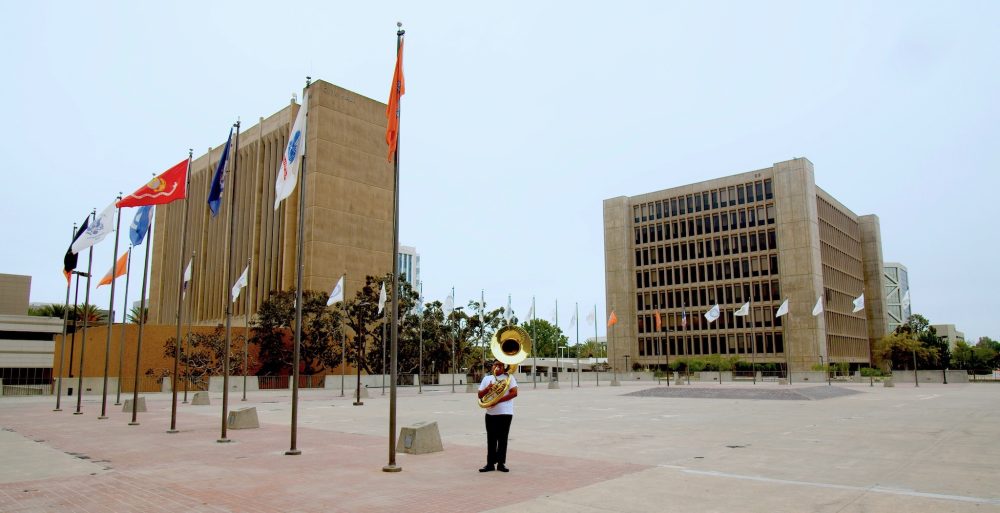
(761, 237)
(348, 212)
(897, 294)
(409, 266)
(26, 341)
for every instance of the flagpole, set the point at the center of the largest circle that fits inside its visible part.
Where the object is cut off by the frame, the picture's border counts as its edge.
(229, 287)
(784, 338)
(187, 337)
(385, 313)
(180, 298)
(83, 343)
(452, 369)
(62, 343)
(246, 327)
(482, 324)
(121, 338)
(343, 343)
(576, 316)
(420, 339)
(76, 317)
(555, 376)
(111, 316)
(142, 321)
(293, 450)
(534, 354)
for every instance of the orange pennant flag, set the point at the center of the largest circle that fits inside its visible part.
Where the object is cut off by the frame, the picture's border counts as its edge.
(392, 110)
(120, 266)
(659, 323)
(612, 320)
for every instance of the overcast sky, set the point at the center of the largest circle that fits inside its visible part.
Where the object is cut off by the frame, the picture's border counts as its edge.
(520, 118)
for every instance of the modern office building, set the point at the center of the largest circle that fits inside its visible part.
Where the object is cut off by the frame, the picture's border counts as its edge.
(26, 341)
(949, 333)
(347, 224)
(409, 266)
(897, 294)
(761, 237)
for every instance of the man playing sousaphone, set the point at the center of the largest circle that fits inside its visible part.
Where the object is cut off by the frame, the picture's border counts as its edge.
(497, 391)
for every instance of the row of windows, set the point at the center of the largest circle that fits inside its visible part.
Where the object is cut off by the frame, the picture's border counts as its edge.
(719, 246)
(707, 224)
(727, 294)
(766, 343)
(751, 267)
(707, 200)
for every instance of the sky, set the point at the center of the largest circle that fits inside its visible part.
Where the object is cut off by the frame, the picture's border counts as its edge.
(521, 117)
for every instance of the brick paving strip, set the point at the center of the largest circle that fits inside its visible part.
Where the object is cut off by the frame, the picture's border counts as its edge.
(141, 468)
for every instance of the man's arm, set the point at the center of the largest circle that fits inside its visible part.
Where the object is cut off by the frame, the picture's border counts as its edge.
(512, 393)
(484, 386)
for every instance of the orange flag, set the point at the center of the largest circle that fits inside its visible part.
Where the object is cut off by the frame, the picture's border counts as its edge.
(659, 323)
(392, 110)
(120, 266)
(612, 320)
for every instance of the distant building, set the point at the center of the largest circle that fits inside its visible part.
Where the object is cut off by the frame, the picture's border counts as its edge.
(26, 341)
(949, 333)
(409, 266)
(761, 237)
(897, 294)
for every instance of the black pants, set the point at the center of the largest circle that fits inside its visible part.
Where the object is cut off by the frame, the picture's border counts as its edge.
(497, 428)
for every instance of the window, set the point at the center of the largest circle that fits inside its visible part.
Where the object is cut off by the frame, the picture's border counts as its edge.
(715, 199)
(725, 221)
(753, 242)
(715, 223)
(743, 218)
(704, 200)
(767, 189)
(752, 217)
(724, 196)
(635, 214)
(772, 240)
(774, 264)
(659, 210)
(770, 214)
(638, 260)
(673, 206)
(690, 204)
(759, 187)
(739, 194)
(637, 236)
(732, 196)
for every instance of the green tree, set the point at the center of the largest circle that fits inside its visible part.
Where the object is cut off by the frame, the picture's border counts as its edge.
(896, 351)
(545, 337)
(205, 356)
(274, 328)
(133, 315)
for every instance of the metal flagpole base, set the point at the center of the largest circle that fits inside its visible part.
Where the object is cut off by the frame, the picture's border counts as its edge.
(392, 468)
(172, 431)
(118, 404)
(223, 441)
(293, 452)
(359, 403)
(133, 423)
(57, 409)
(102, 417)
(78, 413)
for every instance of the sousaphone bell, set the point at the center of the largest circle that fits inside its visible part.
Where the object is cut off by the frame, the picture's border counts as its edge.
(510, 345)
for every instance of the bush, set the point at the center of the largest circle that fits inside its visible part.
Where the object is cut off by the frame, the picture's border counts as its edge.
(871, 372)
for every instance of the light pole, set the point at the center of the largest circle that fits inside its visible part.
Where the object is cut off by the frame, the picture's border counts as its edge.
(357, 361)
(454, 343)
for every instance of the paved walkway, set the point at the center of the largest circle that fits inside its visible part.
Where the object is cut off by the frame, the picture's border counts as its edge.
(595, 449)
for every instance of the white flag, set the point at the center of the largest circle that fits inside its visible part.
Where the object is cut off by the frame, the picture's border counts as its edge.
(288, 171)
(782, 310)
(712, 314)
(572, 321)
(187, 278)
(906, 299)
(590, 318)
(555, 316)
(338, 292)
(744, 310)
(531, 312)
(381, 298)
(449, 305)
(97, 230)
(240, 283)
(859, 303)
(818, 309)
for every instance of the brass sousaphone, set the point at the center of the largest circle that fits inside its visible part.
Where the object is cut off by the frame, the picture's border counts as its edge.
(510, 345)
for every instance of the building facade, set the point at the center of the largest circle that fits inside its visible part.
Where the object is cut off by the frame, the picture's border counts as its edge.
(897, 294)
(26, 341)
(409, 266)
(760, 237)
(949, 333)
(347, 224)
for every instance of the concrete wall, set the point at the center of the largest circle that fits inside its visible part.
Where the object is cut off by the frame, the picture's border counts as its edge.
(15, 290)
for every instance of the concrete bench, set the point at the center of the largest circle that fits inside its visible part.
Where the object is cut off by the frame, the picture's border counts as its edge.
(420, 438)
(139, 406)
(200, 399)
(244, 418)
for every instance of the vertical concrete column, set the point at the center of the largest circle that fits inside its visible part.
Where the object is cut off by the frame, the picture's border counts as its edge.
(619, 273)
(800, 267)
(871, 256)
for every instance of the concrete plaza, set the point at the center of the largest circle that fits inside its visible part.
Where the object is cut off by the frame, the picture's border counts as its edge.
(636, 448)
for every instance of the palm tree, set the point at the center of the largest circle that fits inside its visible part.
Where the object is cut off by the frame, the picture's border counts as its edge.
(133, 315)
(91, 314)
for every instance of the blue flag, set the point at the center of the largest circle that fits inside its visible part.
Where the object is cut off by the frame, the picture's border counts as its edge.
(219, 181)
(140, 225)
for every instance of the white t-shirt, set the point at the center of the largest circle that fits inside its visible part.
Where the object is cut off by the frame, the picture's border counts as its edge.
(506, 407)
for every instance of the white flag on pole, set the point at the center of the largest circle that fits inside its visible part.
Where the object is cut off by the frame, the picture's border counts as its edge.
(744, 310)
(288, 171)
(187, 277)
(590, 318)
(338, 292)
(818, 309)
(782, 310)
(240, 283)
(381, 298)
(449, 305)
(713, 314)
(97, 230)
(859, 303)
(572, 321)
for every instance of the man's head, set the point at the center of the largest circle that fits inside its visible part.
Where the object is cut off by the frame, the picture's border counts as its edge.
(498, 367)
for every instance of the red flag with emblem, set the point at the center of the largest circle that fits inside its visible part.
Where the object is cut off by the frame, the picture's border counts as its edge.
(171, 185)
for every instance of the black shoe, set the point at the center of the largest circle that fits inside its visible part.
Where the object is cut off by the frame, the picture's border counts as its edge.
(502, 468)
(489, 468)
